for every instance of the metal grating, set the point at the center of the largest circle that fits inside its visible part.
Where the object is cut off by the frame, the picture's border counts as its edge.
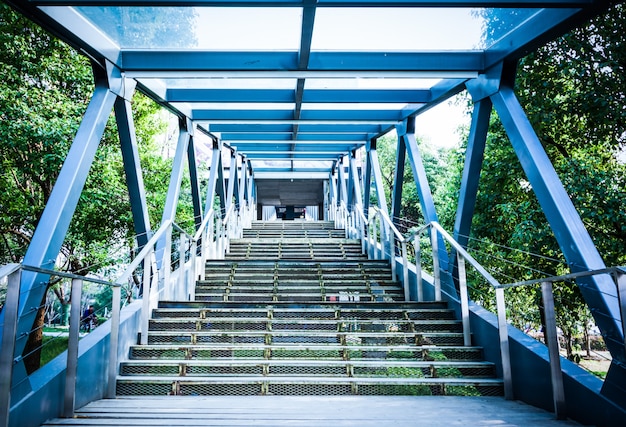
(199, 389)
(310, 389)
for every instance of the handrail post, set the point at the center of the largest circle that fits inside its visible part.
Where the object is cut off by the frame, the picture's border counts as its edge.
(418, 268)
(362, 233)
(467, 336)
(72, 350)
(405, 272)
(114, 337)
(504, 345)
(434, 242)
(10, 311)
(375, 239)
(204, 248)
(145, 304)
(391, 239)
(620, 281)
(558, 393)
(180, 285)
(193, 268)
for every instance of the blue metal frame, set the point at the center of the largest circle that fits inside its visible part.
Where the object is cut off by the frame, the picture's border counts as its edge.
(57, 215)
(474, 155)
(569, 230)
(132, 166)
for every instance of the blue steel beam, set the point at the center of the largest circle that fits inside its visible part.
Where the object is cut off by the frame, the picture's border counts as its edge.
(132, 167)
(337, 113)
(403, 96)
(304, 127)
(52, 227)
(569, 230)
(172, 60)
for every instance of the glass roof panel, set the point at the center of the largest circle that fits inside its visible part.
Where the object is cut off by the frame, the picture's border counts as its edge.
(402, 29)
(223, 83)
(371, 83)
(200, 27)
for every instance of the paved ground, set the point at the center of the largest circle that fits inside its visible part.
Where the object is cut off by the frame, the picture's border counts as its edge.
(312, 411)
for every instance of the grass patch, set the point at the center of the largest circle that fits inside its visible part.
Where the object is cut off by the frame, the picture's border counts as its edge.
(52, 347)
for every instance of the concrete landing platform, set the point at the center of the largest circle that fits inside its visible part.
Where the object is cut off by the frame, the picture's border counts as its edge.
(311, 411)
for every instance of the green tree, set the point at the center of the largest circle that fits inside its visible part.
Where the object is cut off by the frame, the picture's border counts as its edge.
(44, 92)
(573, 91)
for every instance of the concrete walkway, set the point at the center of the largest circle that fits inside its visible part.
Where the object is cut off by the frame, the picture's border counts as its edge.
(311, 411)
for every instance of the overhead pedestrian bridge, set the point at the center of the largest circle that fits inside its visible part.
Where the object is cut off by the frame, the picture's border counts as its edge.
(287, 99)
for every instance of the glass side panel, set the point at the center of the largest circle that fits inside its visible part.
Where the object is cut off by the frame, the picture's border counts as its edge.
(199, 27)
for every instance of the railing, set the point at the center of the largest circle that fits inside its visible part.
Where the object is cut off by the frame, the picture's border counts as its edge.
(382, 240)
(159, 282)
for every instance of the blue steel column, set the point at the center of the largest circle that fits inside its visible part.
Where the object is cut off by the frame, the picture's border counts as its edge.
(398, 181)
(57, 215)
(474, 155)
(407, 134)
(132, 165)
(163, 247)
(367, 179)
(568, 228)
(232, 180)
(341, 184)
(378, 180)
(355, 196)
(195, 183)
(214, 177)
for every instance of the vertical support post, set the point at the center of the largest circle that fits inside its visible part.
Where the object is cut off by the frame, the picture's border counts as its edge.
(145, 303)
(391, 240)
(505, 353)
(467, 336)
(405, 272)
(375, 239)
(434, 241)
(182, 244)
(620, 281)
(10, 311)
(72, 350)
(418, 268)
(114, 340)
(558, 392)
(193, 273)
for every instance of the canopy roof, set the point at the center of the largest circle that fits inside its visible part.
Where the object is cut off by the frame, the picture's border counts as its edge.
(295, 85)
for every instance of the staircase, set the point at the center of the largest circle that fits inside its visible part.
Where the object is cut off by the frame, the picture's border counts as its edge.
(296, 309)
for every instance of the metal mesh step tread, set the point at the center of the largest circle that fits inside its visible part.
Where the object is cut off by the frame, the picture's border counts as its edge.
(323, 347)
(314, 362)
(317, 380)
(202, 313)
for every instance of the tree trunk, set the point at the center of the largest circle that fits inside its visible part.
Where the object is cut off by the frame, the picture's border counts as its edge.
(32, 351)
